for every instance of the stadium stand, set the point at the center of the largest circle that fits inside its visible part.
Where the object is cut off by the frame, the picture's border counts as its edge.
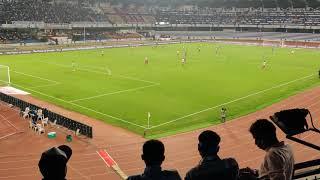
(33, 10)
(62, 12)
(246, 16)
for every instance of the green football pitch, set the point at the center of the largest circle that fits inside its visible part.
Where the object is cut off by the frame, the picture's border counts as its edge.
(116, 86)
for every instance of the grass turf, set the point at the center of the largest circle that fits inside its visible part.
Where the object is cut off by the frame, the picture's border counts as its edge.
(179, 97)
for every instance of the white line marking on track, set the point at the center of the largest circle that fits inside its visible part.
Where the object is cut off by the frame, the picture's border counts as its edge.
(78, 172)
(83, 107)
(16, 129)
(117, 92)
(7, 119)
(229, 102)
(23, 175)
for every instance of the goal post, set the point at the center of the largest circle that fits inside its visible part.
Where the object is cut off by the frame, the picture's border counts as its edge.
(5, 78)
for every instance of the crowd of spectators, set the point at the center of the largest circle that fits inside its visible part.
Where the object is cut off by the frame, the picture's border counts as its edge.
(244, 16)
(278, 162)
(34, 10)
(65, 12)
(14, 36)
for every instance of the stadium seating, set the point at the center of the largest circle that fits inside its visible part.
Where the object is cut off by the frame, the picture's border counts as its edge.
(63, 12)
(300, 17)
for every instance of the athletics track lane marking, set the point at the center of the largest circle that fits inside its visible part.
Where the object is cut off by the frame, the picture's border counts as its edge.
(108, 160)
(16, 129)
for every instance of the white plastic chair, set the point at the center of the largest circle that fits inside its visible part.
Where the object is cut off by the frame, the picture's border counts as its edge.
(25, 113)
(77, 132)
(44, 122)
(54, 123)
(40, 115)
(40, 129)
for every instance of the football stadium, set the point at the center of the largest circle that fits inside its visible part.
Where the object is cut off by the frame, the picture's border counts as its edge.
(150, 89)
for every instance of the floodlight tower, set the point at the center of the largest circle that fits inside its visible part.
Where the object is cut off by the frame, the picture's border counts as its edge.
(277, 3)
(291, 3)
(262, 5)
(307, 4)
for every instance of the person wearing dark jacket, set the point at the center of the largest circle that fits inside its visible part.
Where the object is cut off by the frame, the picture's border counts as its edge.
(153, 156)
(211, 166)
(53, 163)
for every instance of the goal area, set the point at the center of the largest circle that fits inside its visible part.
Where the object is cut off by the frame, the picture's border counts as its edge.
(4, 75)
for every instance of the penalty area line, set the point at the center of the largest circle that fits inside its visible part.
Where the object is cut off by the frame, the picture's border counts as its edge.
(82, 107)
(53, 82)
(117, 92)
(47, 85)
(100, 72)
(229, 102)
(45, 79)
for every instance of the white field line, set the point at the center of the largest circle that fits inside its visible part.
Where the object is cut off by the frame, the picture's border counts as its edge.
(3, 81)
(35, 76)
(48, 85)
(232, 101)
(83, 107)
(122, 76)
(117, 92)
(100, 72)
(54, 83)
(105, 73)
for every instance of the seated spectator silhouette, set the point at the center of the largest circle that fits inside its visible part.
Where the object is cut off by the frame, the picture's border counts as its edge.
(278, 163)
(153, 156)
(211, 166)
(53, 162)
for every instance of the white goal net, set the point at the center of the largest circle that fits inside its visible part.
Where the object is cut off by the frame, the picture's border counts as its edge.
(4, 75)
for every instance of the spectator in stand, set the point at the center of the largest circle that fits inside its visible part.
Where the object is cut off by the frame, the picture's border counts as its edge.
(53, 163)
(153, 156)
(278, 163)
(211, 166)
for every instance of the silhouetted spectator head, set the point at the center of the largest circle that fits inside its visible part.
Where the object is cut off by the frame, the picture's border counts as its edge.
(264, 133)
(67, 150)
(153, 152)
(208, 143)
(53, 162)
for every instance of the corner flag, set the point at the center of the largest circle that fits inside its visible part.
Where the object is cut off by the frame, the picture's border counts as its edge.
(149, 115)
